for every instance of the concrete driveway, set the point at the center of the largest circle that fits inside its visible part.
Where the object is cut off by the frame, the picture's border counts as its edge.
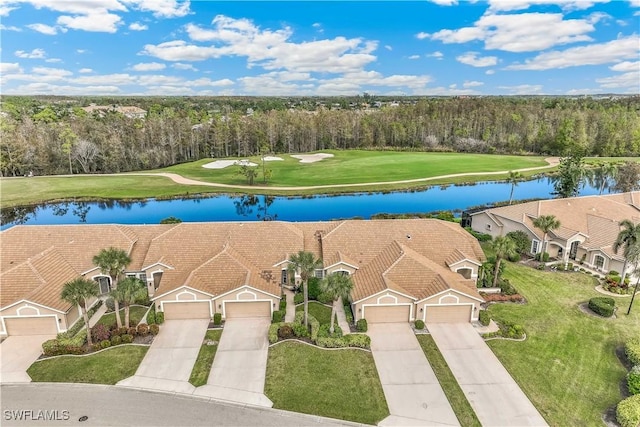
(239, 368)
(413, 393)
(17, 353)
(493, 394)
(168, 363)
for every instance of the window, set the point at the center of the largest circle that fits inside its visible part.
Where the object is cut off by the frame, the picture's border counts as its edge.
(488, 226)
(599, 261)
(535, 246)
(104, 283)
(342, 272)
(319, 273)
(143, 277)
(283, 277)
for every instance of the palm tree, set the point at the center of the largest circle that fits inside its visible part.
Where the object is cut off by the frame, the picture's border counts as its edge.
(128, 292)
(337, 286)
(113, 262)
(504, 247)
(634, 255)
(628, 238)
(513, 179)
(77, 292)
(305, 263)
(546, 223)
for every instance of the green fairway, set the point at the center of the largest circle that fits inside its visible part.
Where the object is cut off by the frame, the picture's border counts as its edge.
(347, 167)
(567, 365)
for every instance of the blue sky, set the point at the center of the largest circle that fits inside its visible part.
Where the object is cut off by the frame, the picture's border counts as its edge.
(438, 47)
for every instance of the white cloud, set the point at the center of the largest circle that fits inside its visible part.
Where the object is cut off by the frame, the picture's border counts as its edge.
(9, 28)
(444, 2)
(634, 3)
(626, 66)
(78, 7)
(522, 89)
(181, 66)
(53, 89)
(149, 66)
(472, 58)
(510, 5)
(437, 54)
(490, 72)
(5, 10)
(203, 82)
(422, 35)
(161, 8)
(34, 54)
(472, 83)
(85, 70)
(629, 81)
(53, 60)
(44, 29)
(594, 54)
(136, 26)
(55, 73)
(81, 51)
(99, 21)
(414, 57)
(114, 79)
(9, 67)
(388, 47)
(520, 32)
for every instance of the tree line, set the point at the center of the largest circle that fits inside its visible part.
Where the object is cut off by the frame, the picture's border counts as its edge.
(53, 136)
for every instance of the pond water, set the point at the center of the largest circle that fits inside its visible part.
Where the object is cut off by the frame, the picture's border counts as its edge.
(253, 208)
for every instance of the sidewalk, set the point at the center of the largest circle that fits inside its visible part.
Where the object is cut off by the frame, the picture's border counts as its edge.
(290, 315)
(342, 318)
(98, 315)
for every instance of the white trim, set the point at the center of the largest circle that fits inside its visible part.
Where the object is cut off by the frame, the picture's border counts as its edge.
(467, 268)
(382, 291)
(343, 263)
(27, 306)
(183, 292)
(463, 260)
(162, 303)
(455, 297)
(245, 291)
(395, 298)
(425, 308)
(224, 307)
(538, 246)
(411, 317)
(282, 262)
(89, 271)
(4, 325)
(157, 263)
(341, 270)
(451, 290)
(34, 303)
(248, 287)
(181, 287)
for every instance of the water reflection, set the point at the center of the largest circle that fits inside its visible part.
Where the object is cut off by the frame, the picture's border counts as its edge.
(245, 204)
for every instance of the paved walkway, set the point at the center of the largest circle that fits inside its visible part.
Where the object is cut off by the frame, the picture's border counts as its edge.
(17, 353)
(239, 368)
(413, 393)
(97, 315)
(493, 394)
(342, 318)
(290, 315)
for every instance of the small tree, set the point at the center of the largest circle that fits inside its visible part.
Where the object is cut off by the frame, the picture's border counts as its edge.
(128, 292)
(113, 262)
(77, 292)
(513, 179)
(628, 239)
(337, 286)
(570, 174)
(305, 263)
(521, 239)
(628, 177)
(546, 223)
(634, 255)
(248, 172)
(504, 247)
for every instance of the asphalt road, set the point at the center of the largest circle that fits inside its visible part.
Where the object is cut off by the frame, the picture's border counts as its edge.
(48, 404)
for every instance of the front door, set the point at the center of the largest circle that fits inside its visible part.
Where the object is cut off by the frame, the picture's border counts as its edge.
(574, 250)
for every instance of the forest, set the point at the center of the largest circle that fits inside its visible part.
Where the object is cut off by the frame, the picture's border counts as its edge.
(55, 135)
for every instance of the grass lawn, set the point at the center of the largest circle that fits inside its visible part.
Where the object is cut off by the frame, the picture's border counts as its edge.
(340, 384)
(567, 366)
(346, 167)
(452, 390)
(135, 315)
(320, 311)
(106, 367)
(202, 367)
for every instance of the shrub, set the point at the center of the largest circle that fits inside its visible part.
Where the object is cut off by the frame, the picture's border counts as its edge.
(570, 266)
(143, 299)
(117, 340)
(132, 331)
(299, 330)
(632, 350)
(154, 329)
(127, 339)
(314, 325)
(602, 305)
(628, 411)
(283, 303)
(105, 344)
(325, 298)
(633, 380)
(298, 298)
(278, 317)
(151, 317)
(419, 324)
(512, 330)
(313, 286)
(482, 237)
(273, 332)
(100, 332)
(502, 298)
(110, 305)
(143, 329)
(515, 258)
(521, 239)
(217, 319)
(116, 332)
(65, 345)
(484, 318)
(323, 332)
(542, 256)
(348, 313)
(285, 332)
(159, 317)
(613, 273)
(358, 340)
(361, 325)
(507, 288)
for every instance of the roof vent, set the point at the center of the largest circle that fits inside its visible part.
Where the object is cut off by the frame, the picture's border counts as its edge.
(408, 236)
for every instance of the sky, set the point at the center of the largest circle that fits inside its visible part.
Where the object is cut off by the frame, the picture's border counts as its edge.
(307, 48)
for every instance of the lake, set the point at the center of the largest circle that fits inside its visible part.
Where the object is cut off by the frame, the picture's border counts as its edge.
(311, 208)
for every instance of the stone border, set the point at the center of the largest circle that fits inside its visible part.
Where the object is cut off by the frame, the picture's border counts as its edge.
(506, 339)
(317, 346)
(92, 353)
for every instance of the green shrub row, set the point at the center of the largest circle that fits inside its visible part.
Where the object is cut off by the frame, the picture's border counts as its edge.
(351, 340)
(348, 313)
(65, 345)
(114, 341)
(361, 325)
(482, 237)
(325, 333)
(603, 306)
(628, 411)
(542, 256)
(507, 330)
(633, 380)
(484, 318)
(159, 317)
(632, 350)
(278, 316)
(314, 325)
(319, 334)
(283, 303)
(217, 319)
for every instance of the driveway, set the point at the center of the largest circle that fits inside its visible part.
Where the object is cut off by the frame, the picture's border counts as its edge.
(493, 394)
(413, 393)
(239, 368)
(17, 353)
(168, 363)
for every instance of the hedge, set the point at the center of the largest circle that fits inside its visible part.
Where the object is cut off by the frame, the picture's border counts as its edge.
(484, 318)
(278, 316)
(273, 332)
(64, 345)
(419, 324)
(602, 305)
(632, 350)
(351, 340)
(217, 319)
(314, 325)
(361, 325)
(633, 380)
(628, 412)
(298, 298)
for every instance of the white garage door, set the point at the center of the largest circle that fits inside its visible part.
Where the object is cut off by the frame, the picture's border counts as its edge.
(449, 314)
(186, 310)
(386, 313)
(236, 309)
(31, 325)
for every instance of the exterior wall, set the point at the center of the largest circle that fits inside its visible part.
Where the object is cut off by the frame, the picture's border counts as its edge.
(182, 295)
(449, 297)
(385, 298)
(466, 264)
(244, 294)
(339, 267)
(28, 309)
(479, 223)
(72, 316)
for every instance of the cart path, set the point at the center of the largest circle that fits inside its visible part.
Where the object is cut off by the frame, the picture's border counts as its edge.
(179, 179)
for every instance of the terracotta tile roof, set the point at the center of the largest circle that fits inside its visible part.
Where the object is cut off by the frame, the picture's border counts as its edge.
(338, 257)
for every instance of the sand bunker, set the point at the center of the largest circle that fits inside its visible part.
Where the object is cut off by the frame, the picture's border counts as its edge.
(221, 164)
(311, 158)
(272, 158)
